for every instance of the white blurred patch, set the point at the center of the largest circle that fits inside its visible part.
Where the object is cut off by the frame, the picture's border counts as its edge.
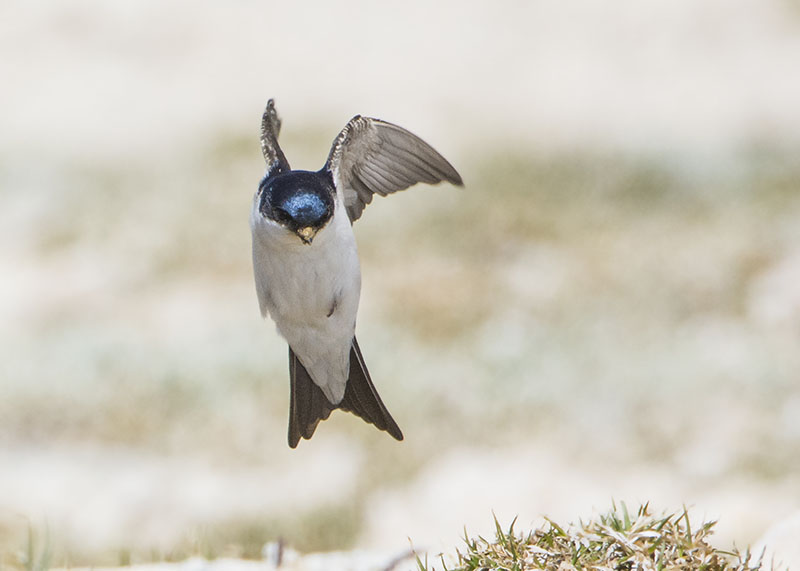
(95, 496)
(93, 78)
(774, 298)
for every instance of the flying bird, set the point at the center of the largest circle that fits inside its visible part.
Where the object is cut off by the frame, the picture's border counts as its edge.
(305, 261)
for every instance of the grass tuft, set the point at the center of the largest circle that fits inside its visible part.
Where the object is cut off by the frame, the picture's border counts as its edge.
(618, 540)
(35, 555)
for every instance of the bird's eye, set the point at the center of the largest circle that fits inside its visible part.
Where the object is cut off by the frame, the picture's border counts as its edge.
(282, 216)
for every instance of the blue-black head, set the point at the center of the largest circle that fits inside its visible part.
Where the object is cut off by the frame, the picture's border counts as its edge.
(300, 201)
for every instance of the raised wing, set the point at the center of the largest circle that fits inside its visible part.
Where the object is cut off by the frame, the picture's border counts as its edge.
(270, 129)
(371, 156)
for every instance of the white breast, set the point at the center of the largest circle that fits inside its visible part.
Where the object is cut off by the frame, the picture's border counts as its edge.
(311, 292)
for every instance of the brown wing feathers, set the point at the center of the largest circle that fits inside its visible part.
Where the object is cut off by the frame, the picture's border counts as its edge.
(371, 156)
(270, 129)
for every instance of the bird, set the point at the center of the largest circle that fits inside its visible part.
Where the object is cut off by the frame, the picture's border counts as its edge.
(306, 265)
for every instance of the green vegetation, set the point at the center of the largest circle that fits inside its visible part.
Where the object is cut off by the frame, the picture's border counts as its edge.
(617, 540)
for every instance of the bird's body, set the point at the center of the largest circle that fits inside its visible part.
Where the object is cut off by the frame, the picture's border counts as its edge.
(306, 266)
(312, 293)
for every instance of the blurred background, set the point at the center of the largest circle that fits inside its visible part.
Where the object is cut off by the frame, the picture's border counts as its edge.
(610, 308)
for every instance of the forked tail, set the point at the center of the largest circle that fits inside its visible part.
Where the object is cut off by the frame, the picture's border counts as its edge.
(308, 405)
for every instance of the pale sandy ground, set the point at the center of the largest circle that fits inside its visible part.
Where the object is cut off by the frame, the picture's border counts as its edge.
(356, 560)
(131, 94)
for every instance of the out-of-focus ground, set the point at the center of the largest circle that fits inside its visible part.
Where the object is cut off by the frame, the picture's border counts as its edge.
(609, 309)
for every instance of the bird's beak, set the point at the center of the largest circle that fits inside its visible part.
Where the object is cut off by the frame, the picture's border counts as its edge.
(306, 234)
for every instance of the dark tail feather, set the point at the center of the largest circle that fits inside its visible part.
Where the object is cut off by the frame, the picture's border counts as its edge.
(309, 405)
(361, 398)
